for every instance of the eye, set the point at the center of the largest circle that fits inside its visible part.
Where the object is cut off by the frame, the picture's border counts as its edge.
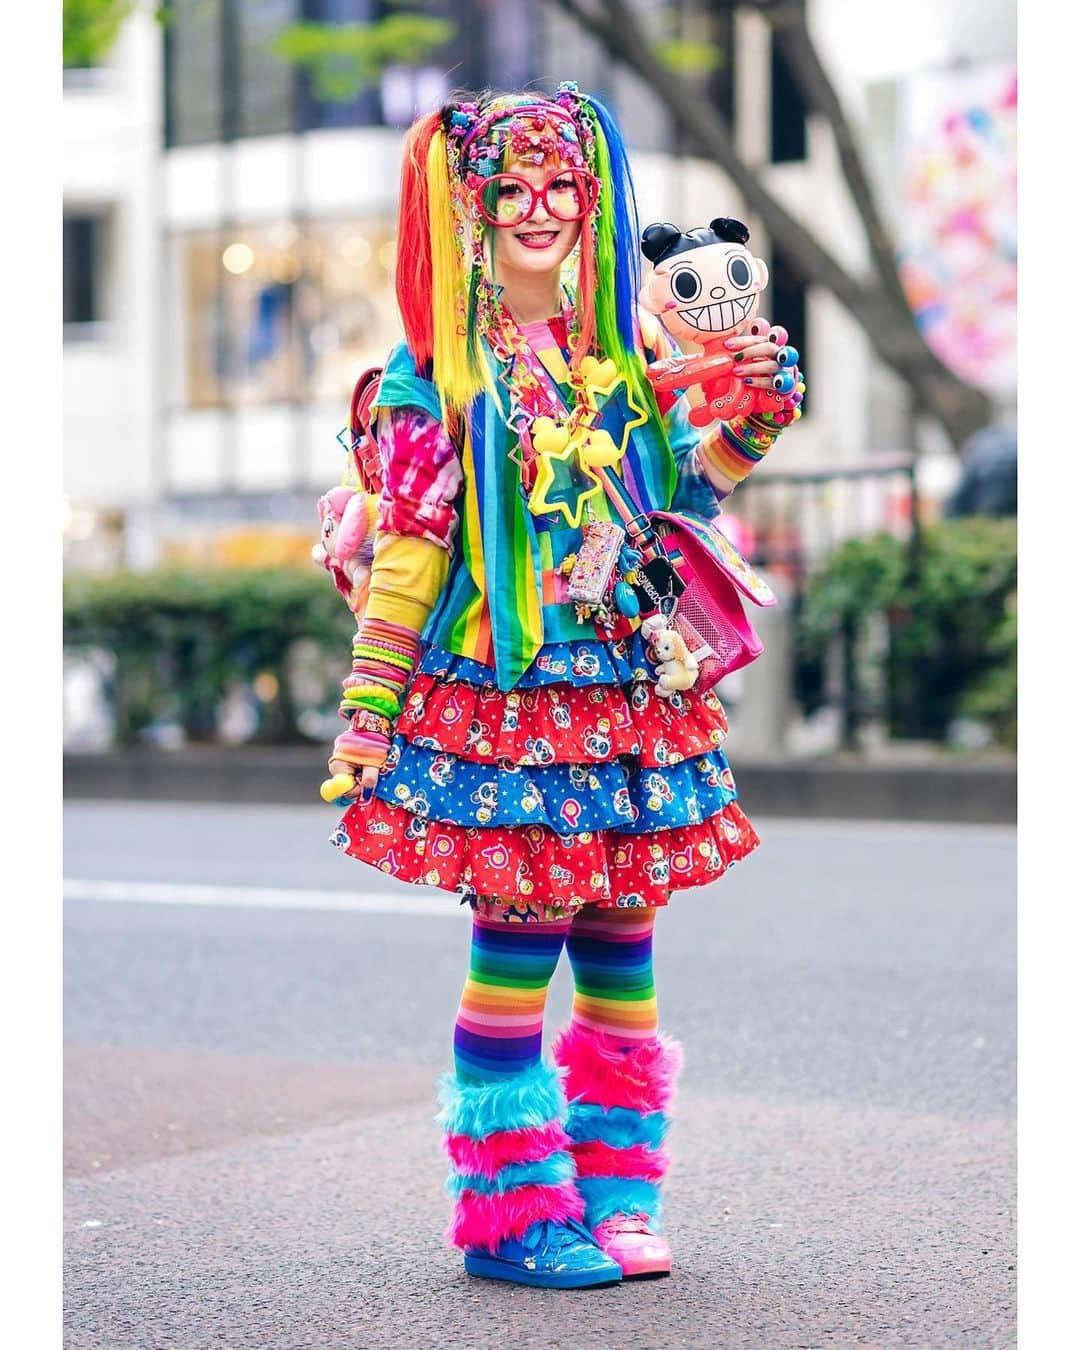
(738, 270)
(686, 284)
(509, 189)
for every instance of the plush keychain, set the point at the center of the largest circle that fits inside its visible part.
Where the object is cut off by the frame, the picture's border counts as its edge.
(705, 287)
(677, 667)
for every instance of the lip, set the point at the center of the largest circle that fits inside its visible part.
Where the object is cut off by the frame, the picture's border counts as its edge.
(546, 240)
(718, 317)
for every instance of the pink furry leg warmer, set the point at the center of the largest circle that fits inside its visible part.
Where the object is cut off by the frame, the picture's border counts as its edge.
(619, 1116)
(510, 1159)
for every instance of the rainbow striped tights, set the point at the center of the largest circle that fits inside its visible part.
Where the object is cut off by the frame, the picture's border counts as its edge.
(500, 1021)
(581, 1135)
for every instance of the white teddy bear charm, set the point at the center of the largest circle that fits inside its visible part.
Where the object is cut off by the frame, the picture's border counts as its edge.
(678, 667)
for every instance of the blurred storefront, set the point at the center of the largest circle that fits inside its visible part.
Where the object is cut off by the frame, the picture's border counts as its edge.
(230, 241)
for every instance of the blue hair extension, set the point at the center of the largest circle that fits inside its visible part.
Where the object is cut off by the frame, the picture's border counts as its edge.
(627, 244)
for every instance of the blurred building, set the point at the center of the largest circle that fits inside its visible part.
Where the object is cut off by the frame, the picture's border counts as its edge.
(229, 246)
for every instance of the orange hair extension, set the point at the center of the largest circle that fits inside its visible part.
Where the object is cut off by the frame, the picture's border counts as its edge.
(413, 273)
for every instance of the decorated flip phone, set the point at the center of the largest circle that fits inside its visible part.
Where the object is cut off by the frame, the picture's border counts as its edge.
(595, 562)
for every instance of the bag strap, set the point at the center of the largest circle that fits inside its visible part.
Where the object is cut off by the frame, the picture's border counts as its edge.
(364, 449)
(635, 521)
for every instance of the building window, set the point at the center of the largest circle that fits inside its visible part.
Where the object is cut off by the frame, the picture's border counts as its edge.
(194, 75)
(282, 313)
(265, 84)
(84, 258)
(787, 110)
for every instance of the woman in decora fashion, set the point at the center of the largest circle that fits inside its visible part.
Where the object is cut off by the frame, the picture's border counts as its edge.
(527, 728)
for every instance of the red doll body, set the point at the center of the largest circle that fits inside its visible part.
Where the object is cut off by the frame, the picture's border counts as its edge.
(704, 289)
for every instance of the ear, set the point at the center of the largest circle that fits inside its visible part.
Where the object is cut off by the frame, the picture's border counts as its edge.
(353, 527)
(729, 229)
(657, 238)
(762, 273)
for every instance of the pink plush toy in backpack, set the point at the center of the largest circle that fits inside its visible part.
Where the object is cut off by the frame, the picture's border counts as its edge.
(347, 515)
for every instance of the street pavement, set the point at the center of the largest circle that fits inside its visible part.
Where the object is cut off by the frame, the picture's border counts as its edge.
(254, 1023)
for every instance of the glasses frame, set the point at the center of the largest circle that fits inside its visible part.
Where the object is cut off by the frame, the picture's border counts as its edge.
(538, 194)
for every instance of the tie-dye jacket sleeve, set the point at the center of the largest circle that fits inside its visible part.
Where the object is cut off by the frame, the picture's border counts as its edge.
(421, 476)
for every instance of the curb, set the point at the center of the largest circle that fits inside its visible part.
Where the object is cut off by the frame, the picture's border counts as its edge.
(931, 789)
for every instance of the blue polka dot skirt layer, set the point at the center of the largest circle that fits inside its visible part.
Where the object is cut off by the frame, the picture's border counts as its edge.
(579, 786)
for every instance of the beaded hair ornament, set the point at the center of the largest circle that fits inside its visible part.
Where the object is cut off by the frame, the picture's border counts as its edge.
(446, 294)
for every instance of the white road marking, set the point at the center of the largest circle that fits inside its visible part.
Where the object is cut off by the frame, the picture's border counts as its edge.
(257, 897)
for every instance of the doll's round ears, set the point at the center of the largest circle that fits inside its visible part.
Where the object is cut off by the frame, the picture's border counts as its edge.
(729, 230)
(657, 238)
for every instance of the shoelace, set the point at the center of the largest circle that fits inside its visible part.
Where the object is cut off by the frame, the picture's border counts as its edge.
(625, 1223)
(553, 1236)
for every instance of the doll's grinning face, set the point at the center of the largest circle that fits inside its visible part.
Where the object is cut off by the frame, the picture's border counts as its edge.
(703, 292)
(540, 244)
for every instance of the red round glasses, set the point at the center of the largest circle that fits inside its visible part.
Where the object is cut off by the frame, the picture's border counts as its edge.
(568, 194)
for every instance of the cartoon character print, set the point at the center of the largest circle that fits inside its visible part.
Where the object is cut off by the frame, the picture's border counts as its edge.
(414, 707)
(656, 785)
(416, 829)
(560, 715)
(441, 770)
(417, 802)
(596, 694)
(596, 741)
(393, 758)
(658, 868)
(511, 711)
(477, 737)
(597, 881)
(662, 751)
(451, 711)
(586, 663)
(340, 837)
(631, 901)
(710, 773)
(531, 799)
(579, 775)
(623, 805)
(541, 750)
(425, 743)
(639, 695)
(522, 881)
(487, 797)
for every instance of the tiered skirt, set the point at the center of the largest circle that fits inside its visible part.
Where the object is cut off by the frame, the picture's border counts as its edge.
(579, 786)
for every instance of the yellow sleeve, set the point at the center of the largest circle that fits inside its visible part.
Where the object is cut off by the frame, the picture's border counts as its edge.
(407, 574)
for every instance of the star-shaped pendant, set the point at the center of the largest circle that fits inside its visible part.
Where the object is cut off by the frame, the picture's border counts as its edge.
(563, 483)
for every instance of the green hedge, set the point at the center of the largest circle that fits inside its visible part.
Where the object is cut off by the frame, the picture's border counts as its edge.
(949, 611)
(181, 637)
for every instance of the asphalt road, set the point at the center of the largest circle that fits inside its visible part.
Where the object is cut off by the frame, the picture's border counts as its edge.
(249, 1148)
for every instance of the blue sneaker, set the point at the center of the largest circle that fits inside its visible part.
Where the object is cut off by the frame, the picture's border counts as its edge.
(549, 1255)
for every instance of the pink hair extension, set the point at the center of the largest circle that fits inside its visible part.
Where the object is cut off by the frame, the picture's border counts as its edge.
(485, 1157)
(597, 1159)
(484, 1220)
(601, 1072)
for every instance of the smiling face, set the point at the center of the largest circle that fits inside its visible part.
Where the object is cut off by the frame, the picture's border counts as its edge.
(540, 243)
(705, 293)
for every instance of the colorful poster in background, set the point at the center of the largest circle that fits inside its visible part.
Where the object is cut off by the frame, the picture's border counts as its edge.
(957, 229)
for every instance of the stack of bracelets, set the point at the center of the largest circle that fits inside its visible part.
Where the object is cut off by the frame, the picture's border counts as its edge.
(384, 654)
(734, 448)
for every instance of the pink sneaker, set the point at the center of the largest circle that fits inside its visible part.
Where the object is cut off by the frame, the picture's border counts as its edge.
(627, 1239)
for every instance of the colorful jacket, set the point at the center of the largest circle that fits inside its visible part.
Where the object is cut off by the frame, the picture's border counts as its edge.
(504, 597)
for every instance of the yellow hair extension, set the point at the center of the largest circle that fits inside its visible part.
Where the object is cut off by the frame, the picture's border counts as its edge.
(455, 382)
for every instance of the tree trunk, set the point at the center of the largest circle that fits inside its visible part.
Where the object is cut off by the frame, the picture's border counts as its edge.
(878, 306)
